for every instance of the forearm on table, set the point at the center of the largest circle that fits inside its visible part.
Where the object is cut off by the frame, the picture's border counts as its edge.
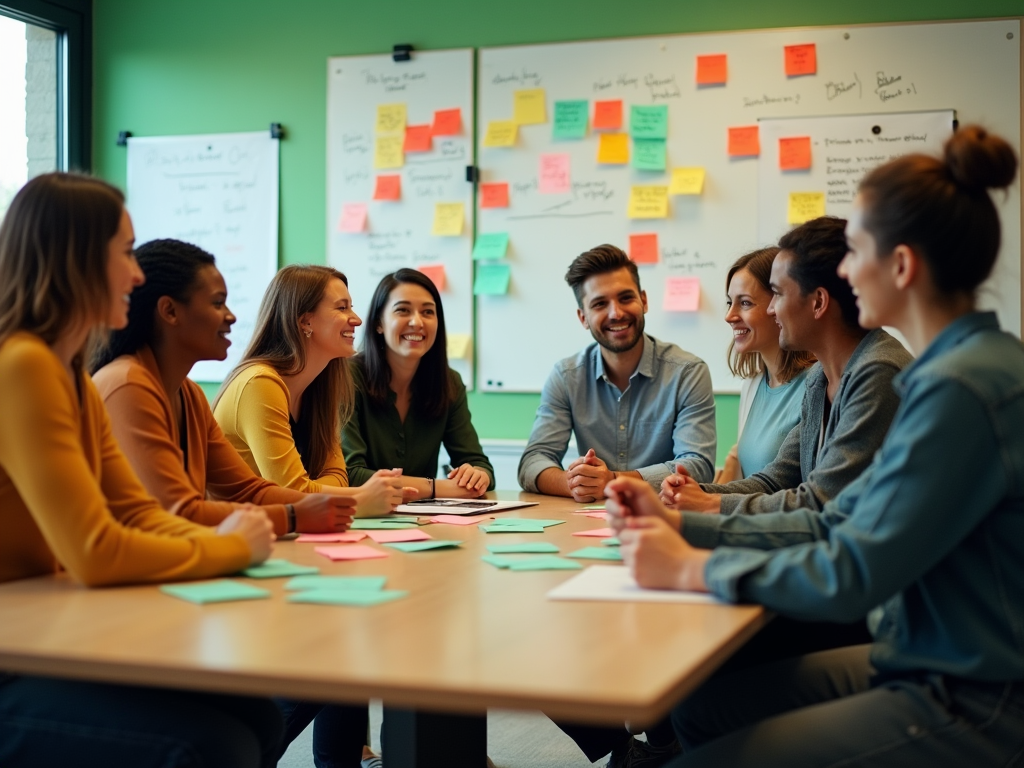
(552, 482)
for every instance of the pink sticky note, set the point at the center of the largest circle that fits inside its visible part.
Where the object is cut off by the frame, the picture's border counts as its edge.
(351, 552)
(417, 138)
(456, 519)
(554, 174)
(595, 515)
(682, 294)
(325, 538)
(604, 533)
(494, 195)
(435, 272)
(447, 122)
(393, 536)
(389, 187)
(353, 218)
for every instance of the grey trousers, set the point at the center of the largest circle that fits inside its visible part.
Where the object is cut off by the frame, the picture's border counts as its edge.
(824, 710)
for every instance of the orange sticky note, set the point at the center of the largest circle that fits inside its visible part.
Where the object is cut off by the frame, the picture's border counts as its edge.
(447, 122)
(712, 69)
(643, 249)
(744, 141)
(795, 153)
(417, 138)
(494, 195)
(613, 149)
(388, 188)
(682, 294)
(801, 60)
(435, 272)
(608, 115)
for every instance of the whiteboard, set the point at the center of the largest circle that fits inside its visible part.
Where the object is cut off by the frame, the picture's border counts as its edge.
(219, 192)
(398, 233)
(972, 67)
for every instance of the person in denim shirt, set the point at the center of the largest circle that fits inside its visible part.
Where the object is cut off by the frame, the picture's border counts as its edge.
(932, 534)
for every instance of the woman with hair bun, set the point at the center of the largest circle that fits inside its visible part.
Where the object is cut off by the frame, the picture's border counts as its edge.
(928, 543)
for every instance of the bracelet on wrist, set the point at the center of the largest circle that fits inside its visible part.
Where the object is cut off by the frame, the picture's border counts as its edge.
(290, 509)
(432, 488)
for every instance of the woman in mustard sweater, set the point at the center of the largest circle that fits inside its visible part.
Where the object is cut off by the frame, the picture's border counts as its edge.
(70, 501)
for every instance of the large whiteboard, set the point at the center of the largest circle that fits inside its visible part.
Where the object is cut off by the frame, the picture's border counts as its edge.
(972, 67)
(219, 192)
(398, 233)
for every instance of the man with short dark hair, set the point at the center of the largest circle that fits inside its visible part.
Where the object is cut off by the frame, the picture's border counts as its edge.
(635, 404)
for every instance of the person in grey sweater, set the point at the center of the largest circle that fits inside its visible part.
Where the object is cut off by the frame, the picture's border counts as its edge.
(849, 401)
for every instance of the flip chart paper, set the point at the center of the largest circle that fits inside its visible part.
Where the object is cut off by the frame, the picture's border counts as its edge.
(219, 591)
(390, 118)
(554, 174)
(649, 154)
(353, 218)
(535, 547)
(458, 349)
(387, 152)
(804, 206)
(491, 245)
(501, 133)
(648, 202)
(382, 537)
(603, 533)
(349, 537)
(447, 122)
(648, 122)
(596, 553)
(795, 153)
(350, 552)
(687, 181)
(608, 115)
(570, 119)
(418, 138)
(528, 107)
(358, 598)
(494, 195)
(549, 563)
(435, 272)
(613, 149)
(801, 60)
(643, 249)
(371, 583)
(712, 69)
(448, 219)
(274, 569)
(744, 141)
(422, 546)
(491, 279)
(456, 519)
(389, 187)
(682, 294)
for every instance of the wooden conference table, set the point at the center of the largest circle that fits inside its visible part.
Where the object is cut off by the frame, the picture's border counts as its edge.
(467, 637)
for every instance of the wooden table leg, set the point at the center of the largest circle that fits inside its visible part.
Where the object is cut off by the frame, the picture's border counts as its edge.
(416, 739)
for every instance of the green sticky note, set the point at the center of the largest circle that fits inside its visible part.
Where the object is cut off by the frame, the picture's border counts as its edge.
(374, 524)
(346, 596)
(591, 509)
(549, 563)
(274, 569)
(492, 279)
(525, 521)
(219, 591)
(419, 546)
(648, 122)
(512, 528)
(492, 245)
(649, 154)
(499, 561)
(371, 583)
(612, 542)
(570, 119)
(537, 547)
(597, 553)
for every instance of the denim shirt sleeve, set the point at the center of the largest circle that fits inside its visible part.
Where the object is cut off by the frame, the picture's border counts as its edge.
(919, 499)
(549, 438)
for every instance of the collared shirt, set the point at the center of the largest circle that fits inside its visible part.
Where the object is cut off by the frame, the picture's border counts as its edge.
(666, 415)
(933, 530)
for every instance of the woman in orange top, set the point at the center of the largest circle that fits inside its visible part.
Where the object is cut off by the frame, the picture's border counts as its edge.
(69, 499)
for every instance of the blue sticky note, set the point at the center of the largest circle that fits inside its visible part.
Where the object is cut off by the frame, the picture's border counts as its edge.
(534, 547)
(492, 245)
(354, 597)
(648, 122)
(549, 563)
(492, 279)
(273, 569)
(373, 583)
(649, 154)
(219, 591)
(597, 553)
(525, 521)
(570, 119)
(499, 561)
(419, 546)
(612, 542)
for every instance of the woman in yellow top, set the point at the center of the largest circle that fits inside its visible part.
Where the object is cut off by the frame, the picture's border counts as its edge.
(69, 499)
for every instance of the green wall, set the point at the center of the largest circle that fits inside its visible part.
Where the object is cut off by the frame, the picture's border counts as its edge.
(231, 65)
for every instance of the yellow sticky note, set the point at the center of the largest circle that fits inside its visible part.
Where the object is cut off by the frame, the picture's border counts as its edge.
(458, 345)
(648, 202)
(448, 218)
(390, 118)
(613, 148)
(388, 152)
(687, 181)
(804, 206)
(501, 133)
(528, 107)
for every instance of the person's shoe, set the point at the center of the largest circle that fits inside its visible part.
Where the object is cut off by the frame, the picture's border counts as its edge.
(640, 754)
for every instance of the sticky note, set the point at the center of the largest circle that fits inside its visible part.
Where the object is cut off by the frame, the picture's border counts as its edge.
(435, 272)
(603, 533)
(350, 552)
(358, 598)
(494, 195)
(801, 59)
(595, 515)
(612, 542)
(648, 202)
(512, 528)
(682, 294)
(554, 174)
(385, 536)
(528, 107)
(526, 521)
(570, 119)
(387, 152)
(744, 141)
(643, 249)
(381, 525)
(456, 519)
(500, 561)
(422, 546)
(648, 122)
(491, 279)
(686, 181)
(219, 591)
(458, 349)
(353, 218)
(390, 118)
(362, 583)
(596, 553)
(349, 537)
(533, 548)
(613, 149)
(447, 122)
(595, 507)
(491, 245)
(273, 569)
(712, 69)
(608, 115)
(804, 206)
(448, 219)
(795, 153)
(549, 563)
(388, 187)
(501, 133)
(418, 138)
(649, 154)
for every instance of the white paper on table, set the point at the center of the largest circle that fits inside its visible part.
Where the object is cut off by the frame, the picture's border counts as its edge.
(613, 582)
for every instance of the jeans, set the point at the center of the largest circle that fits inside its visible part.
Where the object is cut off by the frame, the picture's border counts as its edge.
(339, 732)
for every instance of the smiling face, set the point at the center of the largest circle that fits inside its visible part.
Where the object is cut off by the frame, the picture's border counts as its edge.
(123, 273)
(753, 329)
(408, 322)
(333, 323)
(613, 310)
(792, 310)
(869, 276)
(205, 321)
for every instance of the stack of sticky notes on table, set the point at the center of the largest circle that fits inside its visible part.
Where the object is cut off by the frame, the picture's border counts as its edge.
(544, 557)
(341, 590)
(518, 525)
(384, 523)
